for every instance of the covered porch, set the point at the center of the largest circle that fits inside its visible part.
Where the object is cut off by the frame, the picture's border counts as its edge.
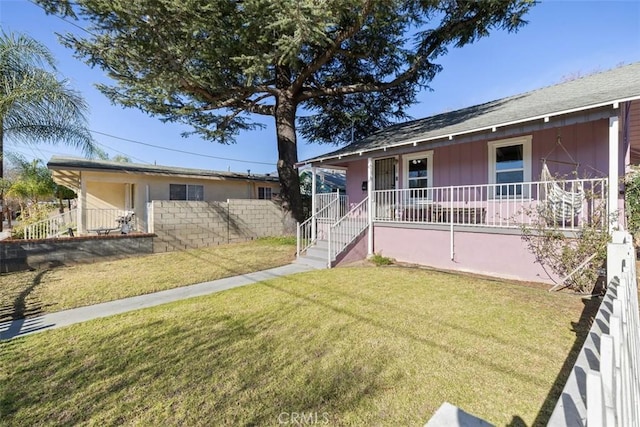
(105, 205)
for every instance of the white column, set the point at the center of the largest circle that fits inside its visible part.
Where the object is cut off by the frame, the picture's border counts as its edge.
(82, 206)
(370, 207)
(314, 205)
(127, 197)
(614, 171)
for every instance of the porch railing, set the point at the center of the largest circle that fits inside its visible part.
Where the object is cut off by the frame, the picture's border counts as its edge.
(53, 226)
(607, 370)
(107, 219)
(493, 205)
(315, 227)
(339, 205)
(347, 228)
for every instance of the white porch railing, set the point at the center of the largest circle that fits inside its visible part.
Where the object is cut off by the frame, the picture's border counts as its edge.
(347, 228)
(52, 227)
(338, 205)
(492, 205)
(610, 357)
(315, 227)
(103, 219)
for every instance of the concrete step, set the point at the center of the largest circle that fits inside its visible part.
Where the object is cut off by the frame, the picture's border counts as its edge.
(317, 252)
(312, 261)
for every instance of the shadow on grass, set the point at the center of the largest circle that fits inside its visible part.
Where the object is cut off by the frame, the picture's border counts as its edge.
(19, 308)
(581, 329)
(222, 370)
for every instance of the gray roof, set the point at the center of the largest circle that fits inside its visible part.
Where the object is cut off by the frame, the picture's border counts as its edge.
(592, 91)
(76, 163)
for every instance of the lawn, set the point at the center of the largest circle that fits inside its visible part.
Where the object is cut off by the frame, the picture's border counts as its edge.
(349, 346)
(45, 291)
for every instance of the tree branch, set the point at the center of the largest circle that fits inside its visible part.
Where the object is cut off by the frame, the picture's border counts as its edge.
(434, 41)
(319, 61)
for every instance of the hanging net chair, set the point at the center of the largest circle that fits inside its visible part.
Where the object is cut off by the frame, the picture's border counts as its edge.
(562, 200)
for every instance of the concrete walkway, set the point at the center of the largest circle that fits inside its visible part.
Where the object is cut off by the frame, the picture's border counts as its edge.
(21, 327)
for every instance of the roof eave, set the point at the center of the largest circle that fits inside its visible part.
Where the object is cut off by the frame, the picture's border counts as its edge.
(546, 117)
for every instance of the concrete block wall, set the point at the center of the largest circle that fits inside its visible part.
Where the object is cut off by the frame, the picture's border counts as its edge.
(16, 255)
(180, 225)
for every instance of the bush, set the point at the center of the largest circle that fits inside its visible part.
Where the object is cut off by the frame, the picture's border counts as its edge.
(380, 260)
(37, 213)
(632, 203)
(562, 251)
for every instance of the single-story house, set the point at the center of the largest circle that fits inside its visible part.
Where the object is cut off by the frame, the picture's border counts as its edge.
(454, 190)
(110, 190)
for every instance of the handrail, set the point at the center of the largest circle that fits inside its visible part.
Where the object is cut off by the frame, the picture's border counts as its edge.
(346, 229)
(52, 227)
(305, 231)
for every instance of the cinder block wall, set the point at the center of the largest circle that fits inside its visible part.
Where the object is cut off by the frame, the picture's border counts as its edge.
(182, 225)
(16, 255)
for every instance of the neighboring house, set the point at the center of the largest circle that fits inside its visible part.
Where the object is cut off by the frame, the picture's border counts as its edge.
(327, 181)
(453, 190)
(108, 190)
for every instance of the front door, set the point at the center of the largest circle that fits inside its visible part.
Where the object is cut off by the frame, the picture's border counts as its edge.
(385, 179)
(385, 174)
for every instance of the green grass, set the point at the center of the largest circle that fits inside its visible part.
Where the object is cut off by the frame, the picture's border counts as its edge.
(359, 346)
(44, 291)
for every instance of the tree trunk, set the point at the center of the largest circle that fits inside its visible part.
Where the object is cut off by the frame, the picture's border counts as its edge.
(288, 156)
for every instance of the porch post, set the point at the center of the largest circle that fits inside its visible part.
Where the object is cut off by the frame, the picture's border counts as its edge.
(370, 205)
(82, 207)
(614, 173)
(314, 206)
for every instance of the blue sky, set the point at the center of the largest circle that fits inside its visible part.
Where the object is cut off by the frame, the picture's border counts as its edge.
(563, 38)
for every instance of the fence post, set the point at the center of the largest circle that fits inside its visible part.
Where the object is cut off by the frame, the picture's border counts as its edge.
(297, 239)
(329, 247)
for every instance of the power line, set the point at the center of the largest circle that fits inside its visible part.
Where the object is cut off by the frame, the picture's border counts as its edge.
(62, 19)
(180, 151)
(140, 142)
(121, 152)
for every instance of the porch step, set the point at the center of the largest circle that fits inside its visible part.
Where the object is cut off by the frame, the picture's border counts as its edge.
(315, 256)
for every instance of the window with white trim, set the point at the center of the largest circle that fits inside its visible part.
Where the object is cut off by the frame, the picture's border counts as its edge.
(186, 192)
(510, 166)
(264, 193)
(418, 173)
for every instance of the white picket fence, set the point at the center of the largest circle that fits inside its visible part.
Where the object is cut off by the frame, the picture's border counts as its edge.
(603, 388)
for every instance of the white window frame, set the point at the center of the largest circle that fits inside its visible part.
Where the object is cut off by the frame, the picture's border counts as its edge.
(525, 141)
(406, 159)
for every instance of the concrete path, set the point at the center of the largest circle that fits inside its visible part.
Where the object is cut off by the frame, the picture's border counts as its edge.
(21, 327)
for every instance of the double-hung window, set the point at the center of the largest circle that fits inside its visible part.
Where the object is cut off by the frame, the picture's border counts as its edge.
(418, 174)
(510, 166)
(186, 192)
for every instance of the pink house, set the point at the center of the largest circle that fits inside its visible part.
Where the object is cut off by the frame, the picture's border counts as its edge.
(453, 190)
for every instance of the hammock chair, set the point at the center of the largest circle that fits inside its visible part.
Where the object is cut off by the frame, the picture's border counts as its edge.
(563, 203)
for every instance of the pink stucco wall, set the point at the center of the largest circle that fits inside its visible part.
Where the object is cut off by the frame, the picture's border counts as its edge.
(498, 255)
(355, 252)
(356, 173)
(468, 163)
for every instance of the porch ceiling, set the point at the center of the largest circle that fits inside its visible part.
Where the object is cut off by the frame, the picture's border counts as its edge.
(68, 178)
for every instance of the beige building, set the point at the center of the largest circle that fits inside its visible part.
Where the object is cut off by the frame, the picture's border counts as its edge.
(108, 190)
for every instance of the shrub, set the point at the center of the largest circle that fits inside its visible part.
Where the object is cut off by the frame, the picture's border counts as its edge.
(379, 260)
(563, 252)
